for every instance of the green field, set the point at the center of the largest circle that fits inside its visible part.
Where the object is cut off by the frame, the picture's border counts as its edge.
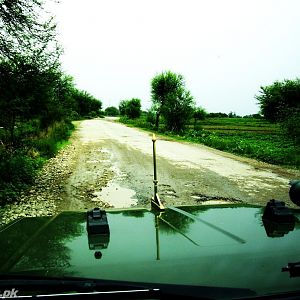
(254, 138)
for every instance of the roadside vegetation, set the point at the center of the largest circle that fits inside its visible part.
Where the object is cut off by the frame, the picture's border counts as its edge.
(271, 136)
(37, 100)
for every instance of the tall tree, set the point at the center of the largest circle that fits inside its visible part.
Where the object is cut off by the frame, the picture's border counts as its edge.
(171, 100)
(27, 30)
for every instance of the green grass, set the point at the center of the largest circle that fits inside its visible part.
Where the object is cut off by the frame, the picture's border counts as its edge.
(254, 138)
(19, 166)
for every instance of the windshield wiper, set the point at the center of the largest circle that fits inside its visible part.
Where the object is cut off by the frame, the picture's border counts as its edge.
(46, 287)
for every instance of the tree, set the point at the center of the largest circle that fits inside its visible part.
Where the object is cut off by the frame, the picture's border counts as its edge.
(27, 30)
(171, 100)
(199, 113)
(111, 111)
(85, 104)
(122, 107)
(26, 92)
(133, 108)
(130, 108)
(29, 64)
(279, 100)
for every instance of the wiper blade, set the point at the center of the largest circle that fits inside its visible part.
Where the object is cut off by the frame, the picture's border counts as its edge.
(46, 287)
(65, 282)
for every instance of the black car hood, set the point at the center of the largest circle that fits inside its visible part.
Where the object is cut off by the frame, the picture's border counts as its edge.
(225, 246)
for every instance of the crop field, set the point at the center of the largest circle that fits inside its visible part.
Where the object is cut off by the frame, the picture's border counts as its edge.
(254, 138)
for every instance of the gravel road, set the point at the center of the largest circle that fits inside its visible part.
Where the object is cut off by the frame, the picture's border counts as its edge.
(110, 165)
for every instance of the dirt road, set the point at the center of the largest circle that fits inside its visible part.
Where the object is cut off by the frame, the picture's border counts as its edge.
(110, 165)
(114, 167)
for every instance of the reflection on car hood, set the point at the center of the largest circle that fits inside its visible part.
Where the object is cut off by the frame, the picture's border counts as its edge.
(224, 246)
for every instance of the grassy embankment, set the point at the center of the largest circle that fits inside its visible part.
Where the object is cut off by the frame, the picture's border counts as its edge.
(254, 138)
(20, 163)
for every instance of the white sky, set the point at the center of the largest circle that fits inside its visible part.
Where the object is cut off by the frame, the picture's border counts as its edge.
(225, 49)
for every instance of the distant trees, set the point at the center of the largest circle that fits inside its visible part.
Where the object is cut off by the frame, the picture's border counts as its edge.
(130, 108)
(280, 102)
(85, 104)
(171, 100)
(199, 114)
(217, 115)
(111, 111)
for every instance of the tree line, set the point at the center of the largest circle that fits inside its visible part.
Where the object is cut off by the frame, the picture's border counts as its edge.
(37, 99)
(278, 102)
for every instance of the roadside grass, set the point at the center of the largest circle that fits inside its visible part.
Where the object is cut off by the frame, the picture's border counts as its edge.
(20, 165)
(249, 137)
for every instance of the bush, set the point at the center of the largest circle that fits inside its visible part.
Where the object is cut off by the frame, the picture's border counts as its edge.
(18, 168)
(150, 117)
(47, 142)
(17, 171)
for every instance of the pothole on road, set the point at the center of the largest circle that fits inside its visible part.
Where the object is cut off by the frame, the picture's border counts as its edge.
(115, 195)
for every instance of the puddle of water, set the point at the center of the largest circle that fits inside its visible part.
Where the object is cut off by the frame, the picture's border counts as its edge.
(117, 196)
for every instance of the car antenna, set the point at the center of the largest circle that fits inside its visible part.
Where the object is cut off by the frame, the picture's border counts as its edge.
(155, 200)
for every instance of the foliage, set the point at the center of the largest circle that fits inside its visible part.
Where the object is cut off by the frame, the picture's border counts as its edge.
(19, 166)
(199, 114)
(111, 111)
(85, 104)
(150, 117)
(26, 29)
(47, 143)
(291, 125)
(217, 115)
(171, 100)
(122, 107)
(233, 115)
(130, 108)
(133, 108)
(280, 102)
(17, 171)
(254, 116)
(29, 93)
(37, 100)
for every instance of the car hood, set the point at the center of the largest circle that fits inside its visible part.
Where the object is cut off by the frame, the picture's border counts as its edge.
(225, 246)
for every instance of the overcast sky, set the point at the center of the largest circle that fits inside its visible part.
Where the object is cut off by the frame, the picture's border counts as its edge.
(224, 49)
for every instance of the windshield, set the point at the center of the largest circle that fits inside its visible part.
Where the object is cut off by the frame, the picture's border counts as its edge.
(190, 108)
